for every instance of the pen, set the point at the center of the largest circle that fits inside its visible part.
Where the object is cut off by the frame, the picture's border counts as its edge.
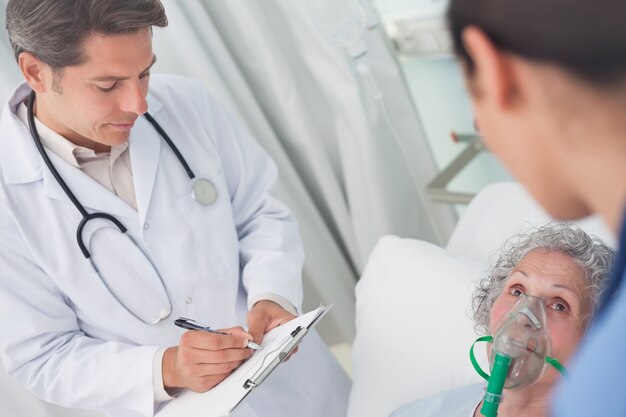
(191, 324)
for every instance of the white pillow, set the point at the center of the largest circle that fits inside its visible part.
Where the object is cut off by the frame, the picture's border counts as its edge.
(413, 327)
(500, 211)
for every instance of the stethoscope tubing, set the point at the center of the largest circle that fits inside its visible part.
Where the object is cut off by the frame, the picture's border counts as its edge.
(86, 216)
(46, 158)
(170, 143)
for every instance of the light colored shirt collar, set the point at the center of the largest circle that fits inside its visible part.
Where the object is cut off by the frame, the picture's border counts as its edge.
(71, 153)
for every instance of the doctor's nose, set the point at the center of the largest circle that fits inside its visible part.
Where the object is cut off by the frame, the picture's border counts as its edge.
(134, 99)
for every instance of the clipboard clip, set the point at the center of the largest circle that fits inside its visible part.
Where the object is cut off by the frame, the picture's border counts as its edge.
(296, 331)
(263, 372)
(249, 384)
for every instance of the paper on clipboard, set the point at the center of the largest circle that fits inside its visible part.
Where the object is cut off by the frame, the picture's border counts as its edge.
(225, 397)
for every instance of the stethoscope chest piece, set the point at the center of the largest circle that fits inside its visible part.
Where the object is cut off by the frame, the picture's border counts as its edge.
(204, 192)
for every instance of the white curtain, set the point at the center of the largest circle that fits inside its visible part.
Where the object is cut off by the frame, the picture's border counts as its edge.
(350, 169)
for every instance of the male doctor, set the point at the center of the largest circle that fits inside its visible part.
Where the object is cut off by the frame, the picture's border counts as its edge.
(86, 310)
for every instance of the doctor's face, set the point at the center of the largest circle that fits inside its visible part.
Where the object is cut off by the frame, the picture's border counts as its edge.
(97, 102)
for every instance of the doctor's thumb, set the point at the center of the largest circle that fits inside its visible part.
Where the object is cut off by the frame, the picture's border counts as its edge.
(256, 327)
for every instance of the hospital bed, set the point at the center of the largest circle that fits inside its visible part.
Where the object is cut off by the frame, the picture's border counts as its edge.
(412, 310)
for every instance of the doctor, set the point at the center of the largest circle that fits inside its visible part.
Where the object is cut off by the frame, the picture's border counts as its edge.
(127, 201)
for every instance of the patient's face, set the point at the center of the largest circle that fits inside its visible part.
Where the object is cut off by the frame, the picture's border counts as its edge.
(560, 282)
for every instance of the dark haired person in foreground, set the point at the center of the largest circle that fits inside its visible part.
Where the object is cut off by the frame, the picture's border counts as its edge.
(548, 85)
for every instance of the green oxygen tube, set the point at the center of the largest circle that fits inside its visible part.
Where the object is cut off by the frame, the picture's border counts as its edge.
(493, 395)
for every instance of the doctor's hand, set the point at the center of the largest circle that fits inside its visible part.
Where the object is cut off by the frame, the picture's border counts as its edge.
(264, 316)
(203, 360)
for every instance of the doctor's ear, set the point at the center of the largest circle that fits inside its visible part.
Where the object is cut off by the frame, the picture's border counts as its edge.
(37, 74)
(491, 76)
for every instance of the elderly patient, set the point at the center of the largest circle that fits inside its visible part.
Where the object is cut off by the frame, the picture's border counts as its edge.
(534, 308)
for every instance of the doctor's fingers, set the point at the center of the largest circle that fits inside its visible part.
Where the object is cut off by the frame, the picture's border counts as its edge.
(264, 316)
(205, 383)
(214, 341)
(194, 357)
(205, 370)
(238, 331)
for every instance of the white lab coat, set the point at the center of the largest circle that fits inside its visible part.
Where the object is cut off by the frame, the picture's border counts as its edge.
(67, 339)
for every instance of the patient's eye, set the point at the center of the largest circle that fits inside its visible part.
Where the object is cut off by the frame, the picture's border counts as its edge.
(516, 291)
(560, 306)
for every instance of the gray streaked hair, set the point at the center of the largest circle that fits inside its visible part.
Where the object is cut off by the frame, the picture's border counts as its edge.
(54, 30)
(595, 258)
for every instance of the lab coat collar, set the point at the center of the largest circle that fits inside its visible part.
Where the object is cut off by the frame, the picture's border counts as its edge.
(21, 163)
(145, 148)
(19, 160)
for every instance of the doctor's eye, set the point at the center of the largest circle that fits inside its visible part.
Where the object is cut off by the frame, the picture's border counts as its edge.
(108, 88)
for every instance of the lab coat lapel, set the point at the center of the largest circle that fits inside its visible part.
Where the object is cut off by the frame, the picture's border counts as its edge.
(145, 150)
(90, 193)
(24, 164)
(19, 161)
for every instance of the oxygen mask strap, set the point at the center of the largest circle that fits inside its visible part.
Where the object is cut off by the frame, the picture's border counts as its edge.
(475, 363)
(557, 365)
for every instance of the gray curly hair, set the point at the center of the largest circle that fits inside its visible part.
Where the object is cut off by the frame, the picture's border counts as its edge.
(591, 254)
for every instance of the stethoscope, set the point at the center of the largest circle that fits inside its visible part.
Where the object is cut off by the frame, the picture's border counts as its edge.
(203, 191)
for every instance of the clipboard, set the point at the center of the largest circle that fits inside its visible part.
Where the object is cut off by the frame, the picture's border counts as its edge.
(228, 395)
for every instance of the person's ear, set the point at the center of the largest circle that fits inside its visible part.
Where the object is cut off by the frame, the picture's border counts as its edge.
(492, 78)
(34, 70)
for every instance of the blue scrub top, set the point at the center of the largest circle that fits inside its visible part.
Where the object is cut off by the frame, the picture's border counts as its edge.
(597, 386)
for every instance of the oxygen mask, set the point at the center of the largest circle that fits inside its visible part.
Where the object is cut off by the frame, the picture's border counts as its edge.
(520, 352)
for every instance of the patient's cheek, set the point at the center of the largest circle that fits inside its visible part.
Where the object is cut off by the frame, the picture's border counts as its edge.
(565, 338)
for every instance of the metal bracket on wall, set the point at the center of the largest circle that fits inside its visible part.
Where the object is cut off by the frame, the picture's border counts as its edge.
(437, 187)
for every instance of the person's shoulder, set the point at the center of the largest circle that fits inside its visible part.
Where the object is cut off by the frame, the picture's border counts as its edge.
(180, 92)
(458, 402)
(600, 354)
